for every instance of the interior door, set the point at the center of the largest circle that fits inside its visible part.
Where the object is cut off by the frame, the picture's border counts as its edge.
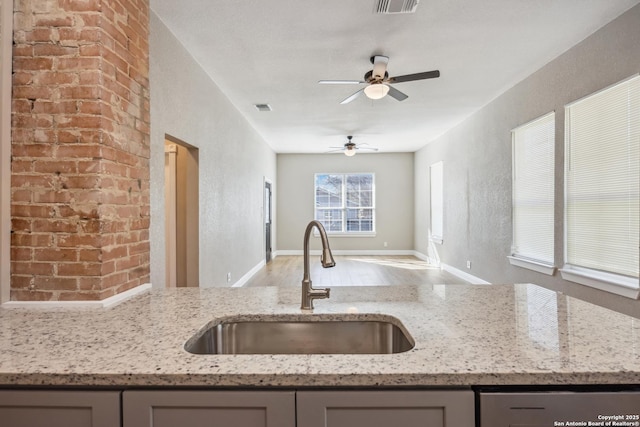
(267, 219)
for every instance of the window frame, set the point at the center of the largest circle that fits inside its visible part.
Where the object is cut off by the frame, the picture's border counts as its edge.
(612, 282)
(436, 210)
(344, 206)
(525, 259)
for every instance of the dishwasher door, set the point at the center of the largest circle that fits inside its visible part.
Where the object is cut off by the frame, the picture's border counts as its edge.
(559, 409)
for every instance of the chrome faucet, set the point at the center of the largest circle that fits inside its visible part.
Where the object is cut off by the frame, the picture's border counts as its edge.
(326, 259)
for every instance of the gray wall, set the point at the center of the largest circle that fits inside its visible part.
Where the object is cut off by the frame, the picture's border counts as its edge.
(394, 199)
(477, 161)
(186, 104)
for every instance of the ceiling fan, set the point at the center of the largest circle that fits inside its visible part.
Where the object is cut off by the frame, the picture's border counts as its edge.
(351, 147)
(378, 81)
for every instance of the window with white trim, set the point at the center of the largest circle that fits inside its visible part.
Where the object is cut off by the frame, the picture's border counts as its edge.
(533, 194)
(602, 179)
(436, 199)
(345, 203)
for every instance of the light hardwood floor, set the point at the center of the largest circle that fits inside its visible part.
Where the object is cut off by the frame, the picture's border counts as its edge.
(353, 271)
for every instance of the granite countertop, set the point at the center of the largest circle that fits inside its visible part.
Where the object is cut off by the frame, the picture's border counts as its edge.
(464, 335)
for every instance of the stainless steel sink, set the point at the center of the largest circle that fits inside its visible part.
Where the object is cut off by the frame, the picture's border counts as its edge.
(307, 335)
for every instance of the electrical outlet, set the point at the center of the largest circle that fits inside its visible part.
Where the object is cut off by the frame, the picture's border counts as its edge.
(385, 244)
(228, 277)
(468, 264)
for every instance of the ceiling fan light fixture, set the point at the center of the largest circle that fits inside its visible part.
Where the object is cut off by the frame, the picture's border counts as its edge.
(376, 90)
(350, 151)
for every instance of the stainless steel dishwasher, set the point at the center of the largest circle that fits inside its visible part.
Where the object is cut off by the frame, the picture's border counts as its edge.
(559, 409)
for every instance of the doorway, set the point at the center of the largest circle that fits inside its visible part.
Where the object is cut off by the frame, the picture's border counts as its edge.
(268, 216)
(182, 213)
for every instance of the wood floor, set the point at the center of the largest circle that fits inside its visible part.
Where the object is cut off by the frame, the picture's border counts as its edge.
(353, 271)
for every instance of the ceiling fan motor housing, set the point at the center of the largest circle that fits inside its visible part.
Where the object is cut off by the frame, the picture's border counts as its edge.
(369, 78)
(395, 6)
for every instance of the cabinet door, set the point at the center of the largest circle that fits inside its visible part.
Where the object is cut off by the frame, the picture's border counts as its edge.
(540, 409)
(385, 408)
(26, 408)
(208, 408)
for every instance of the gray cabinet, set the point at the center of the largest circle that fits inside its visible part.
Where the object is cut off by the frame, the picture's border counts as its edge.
(208, 408)
(538, 409)
(441, 408)
(26, 408)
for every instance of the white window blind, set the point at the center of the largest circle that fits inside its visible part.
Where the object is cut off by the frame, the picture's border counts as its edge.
(437, 201)
(603, 179)
(533, 190)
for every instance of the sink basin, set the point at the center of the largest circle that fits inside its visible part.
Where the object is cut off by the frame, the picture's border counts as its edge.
(310, 334)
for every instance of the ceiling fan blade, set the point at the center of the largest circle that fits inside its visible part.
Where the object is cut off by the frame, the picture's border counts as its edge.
(335, 151)
(367, 148)
(380, 65)
(340, 82)
(395, 93)
(417, 76)
(352, 97)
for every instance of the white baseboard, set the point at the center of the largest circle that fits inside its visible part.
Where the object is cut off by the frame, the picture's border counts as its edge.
(350, 252)
(105, 303)
(464, 275)
(244, 279)
(426, 258)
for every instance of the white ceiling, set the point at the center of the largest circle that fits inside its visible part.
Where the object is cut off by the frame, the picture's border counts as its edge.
(275, 51)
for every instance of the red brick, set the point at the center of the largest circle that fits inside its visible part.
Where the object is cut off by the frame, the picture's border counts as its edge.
(79, 296)
(53, 225)
(31, 240)
(80, 5)
(52, 21)
(80, 240)
(32, 150)
(51, 196)
(22, 63)
(32, 268)
(31, 211)
(55, 166)
(40, 35)
(54, 78)
(43, 49)
(26, 295)
(79, 269)
(55, 283)
(55, 254)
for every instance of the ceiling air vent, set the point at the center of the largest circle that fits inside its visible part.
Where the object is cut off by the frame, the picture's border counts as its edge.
(386, 7)
(263, 107)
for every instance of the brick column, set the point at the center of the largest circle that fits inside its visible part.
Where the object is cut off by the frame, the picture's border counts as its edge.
(80, 151)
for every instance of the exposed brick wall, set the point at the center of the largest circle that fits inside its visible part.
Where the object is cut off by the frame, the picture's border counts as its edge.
(80, 151)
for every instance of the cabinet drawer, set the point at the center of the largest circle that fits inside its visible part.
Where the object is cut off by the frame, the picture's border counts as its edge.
(537, 409)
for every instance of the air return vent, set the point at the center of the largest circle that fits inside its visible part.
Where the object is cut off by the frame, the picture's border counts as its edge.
(386, 7)
(263, 107)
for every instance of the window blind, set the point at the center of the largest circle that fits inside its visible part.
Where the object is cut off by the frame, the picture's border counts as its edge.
(603, 179)
(533, 189)
(437, 201)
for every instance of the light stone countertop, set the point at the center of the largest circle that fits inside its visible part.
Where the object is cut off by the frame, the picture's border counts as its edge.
(464, 335)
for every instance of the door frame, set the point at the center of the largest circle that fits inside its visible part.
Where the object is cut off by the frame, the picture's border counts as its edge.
(6, 45)
(267, 231)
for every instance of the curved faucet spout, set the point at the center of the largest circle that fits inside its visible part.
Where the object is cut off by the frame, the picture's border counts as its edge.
(308, 292)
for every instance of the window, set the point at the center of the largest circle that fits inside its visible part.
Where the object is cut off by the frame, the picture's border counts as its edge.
(436, 198)
(345, 203)
(533, 194)
(602, 173)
